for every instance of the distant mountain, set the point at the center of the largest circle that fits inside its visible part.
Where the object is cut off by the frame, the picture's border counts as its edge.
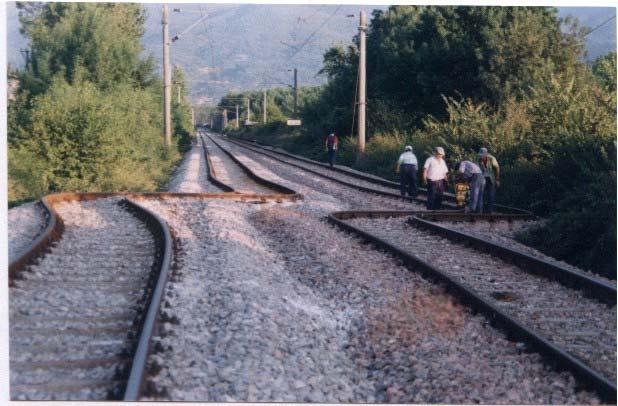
(249, 46)
(244, 46)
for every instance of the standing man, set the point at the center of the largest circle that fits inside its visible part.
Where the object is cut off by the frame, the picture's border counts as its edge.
(331, 143)
(472, 173)
(434, 174)
(407, 165)
(491, 171)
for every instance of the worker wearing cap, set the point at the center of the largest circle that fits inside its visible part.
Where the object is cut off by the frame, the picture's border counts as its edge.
(491, 171)
(472, 173)
(407, 165)
(434, 175)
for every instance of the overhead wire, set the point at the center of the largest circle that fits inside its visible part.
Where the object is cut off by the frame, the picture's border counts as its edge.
(600, 25)
(301, 46)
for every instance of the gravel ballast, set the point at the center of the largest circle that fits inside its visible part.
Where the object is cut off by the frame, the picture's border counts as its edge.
(192, 174)
(25, 223)
(228, 172)
(71, 312)
(271, 303)
(503, 232)
(583, 326)
(352, 198)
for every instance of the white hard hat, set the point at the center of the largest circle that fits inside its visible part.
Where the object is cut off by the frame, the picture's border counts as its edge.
(408, 148)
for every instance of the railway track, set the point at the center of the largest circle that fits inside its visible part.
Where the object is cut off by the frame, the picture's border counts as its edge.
(130, 359)
(567, 316)
(86, 293)
(76, 315)
(231, 168)
(352, 178)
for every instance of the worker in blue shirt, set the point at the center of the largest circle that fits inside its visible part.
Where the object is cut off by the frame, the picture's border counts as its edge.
(407, 165)
(472, 173)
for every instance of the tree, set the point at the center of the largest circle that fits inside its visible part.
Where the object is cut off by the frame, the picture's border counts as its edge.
(98, 42)
(416, 55)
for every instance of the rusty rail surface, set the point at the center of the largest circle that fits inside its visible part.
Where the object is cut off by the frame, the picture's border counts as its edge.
(163, 237)
(257, 178)
(211, 173)
(449, 197)
(594, 288)
(514, 329)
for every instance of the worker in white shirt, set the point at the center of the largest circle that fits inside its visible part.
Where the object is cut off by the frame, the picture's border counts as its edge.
(434, 175)
(407, 165)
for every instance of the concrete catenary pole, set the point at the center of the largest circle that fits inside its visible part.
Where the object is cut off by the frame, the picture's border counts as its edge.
(362, 83)
(248, 110)
(237, 118)
(224, 119)
(192, 117)
(167, 80)
(295, 93)
(264, 108)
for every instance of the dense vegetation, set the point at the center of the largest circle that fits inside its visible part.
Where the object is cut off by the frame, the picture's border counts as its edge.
(87, 113)
(508, 78)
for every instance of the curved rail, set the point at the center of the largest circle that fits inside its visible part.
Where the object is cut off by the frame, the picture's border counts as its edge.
(356, 174)
(252, 174)
(163, 236)
(147, 320)
(211, 173)
(513, 328)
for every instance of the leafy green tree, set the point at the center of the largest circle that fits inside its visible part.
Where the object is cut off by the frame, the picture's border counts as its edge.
(98, 42)
(85, 139)
(416, 55)
(87, 116)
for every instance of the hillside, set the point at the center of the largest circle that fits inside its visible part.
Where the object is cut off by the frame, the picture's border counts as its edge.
(251, 46)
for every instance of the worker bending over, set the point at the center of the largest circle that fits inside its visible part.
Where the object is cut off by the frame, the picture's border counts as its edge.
(472, 173)
(434, 175)
(407, 166)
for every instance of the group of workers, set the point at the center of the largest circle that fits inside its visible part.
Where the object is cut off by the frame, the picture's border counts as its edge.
(482, 176)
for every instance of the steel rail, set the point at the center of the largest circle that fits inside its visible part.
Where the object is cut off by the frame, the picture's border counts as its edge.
(359, 175)
(163, 237)
(334, 179)
(52, 232)
(211, 173)
(499, 319)
(594, 288)
(253, 175)
(55, 225)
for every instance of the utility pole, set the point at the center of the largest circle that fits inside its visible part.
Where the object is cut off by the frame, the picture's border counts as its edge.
(248, 110)
(224, 118)
(167, 80)
(295, 93)
(362, 83)
(178, 94)
(264, 107)
(237, 118)
(192, 117)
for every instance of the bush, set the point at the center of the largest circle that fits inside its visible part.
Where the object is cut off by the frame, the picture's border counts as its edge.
(85, 139)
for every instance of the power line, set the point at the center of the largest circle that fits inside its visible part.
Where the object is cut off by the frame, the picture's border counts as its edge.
(600, 25)
(301, 46)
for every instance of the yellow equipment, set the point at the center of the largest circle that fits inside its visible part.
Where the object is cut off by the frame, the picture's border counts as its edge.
(462, 193)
